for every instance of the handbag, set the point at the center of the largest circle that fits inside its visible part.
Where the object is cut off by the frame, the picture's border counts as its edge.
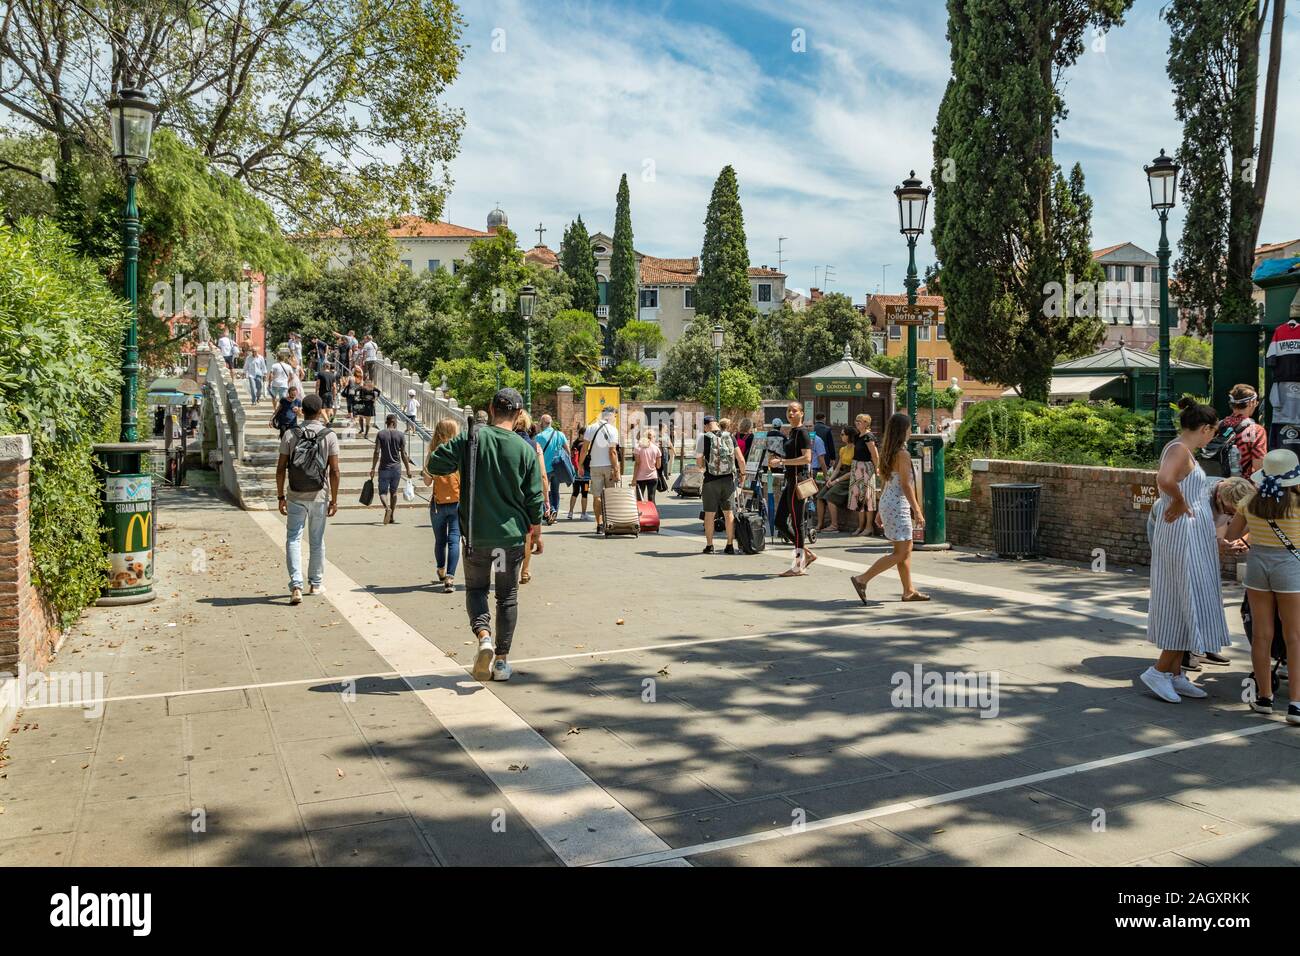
(564, 473)
(368, 492)
(805, 489)
(662, 482)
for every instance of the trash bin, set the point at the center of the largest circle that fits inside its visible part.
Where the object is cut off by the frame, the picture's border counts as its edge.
(1015, 519)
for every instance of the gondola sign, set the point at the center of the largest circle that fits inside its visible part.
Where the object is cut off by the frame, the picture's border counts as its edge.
(911, 314)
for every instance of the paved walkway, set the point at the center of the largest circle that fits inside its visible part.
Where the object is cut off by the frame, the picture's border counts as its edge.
(669, 708)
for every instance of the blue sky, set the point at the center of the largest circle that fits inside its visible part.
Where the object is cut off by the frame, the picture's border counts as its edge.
(562, 96)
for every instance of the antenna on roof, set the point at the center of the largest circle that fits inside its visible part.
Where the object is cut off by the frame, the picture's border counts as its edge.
(826, 274)
(780, 259)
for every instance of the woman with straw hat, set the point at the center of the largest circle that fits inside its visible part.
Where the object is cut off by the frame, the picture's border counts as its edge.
(1272, 569)
(1185, 612)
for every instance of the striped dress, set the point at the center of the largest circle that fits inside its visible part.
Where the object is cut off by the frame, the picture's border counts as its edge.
(1185, 612)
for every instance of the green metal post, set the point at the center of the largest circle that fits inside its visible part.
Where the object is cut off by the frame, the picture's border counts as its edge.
(911, 283)
(1164, 432)
(528, 365)
(130, 348)
(717, 374)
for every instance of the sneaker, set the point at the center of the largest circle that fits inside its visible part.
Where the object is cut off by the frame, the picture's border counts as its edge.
(1262, 705)
(501, 670)
(315, 589)
(447, 586)
(1281, 672)
(1293, 714)
(1161, 684)
(1213, 658)
(295, 596)
(729, 549)
(1184, 687)
(483, 659)
(708, 549)
(1191, 662)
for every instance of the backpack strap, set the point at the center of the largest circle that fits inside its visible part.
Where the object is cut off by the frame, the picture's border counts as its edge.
(470, 471)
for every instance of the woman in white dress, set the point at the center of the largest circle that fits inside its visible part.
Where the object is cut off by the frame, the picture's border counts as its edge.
(899, 510)
(1185, 612)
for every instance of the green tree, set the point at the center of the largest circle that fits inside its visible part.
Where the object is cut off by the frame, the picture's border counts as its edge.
(424, 322)
(339, 300)
(633, 377)
(1187, 348)
(688, 367)
(1214, 64)
(638, 340)
(895, 366)
(329, 109)
(570, 342)
(490, 283)
(739, 390)
(1009, 227)
(622, 264)
(723, 289)
(579, 264)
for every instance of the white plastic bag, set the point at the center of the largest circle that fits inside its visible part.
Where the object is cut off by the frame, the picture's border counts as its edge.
(408, 490)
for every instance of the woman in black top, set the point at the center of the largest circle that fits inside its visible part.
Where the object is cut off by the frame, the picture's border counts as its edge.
(791, 509)
(862, 479)
(363, 406)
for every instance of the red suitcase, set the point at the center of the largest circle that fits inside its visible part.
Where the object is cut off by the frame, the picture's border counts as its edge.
(648, 515)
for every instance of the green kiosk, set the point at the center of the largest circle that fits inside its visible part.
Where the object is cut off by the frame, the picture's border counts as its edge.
(1239, 349)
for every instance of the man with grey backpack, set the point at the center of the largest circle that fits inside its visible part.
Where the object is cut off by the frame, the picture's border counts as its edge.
(309, 463)
(721, 460)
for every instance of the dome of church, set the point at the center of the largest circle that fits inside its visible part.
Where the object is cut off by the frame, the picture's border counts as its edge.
(497, 218)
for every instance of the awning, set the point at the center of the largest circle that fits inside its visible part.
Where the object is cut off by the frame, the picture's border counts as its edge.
(1072, 386)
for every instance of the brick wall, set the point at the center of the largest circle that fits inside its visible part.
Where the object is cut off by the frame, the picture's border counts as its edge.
(1081, 508)
(28, 632)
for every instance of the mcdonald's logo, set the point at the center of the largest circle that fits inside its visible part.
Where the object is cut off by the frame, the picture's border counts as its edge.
(145, 519)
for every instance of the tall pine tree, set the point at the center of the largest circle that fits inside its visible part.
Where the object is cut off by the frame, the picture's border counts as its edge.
(1009, 227)
(622, 264)
(579, 264)
(723, 292)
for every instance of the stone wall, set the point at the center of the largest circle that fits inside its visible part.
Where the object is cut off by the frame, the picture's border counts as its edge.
(28, 631)
(1081, 508)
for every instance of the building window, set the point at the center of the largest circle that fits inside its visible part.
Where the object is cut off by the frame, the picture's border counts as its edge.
(435, 265)
(1118, 273)
(1139, 273)
(941, 374)
(923, 333)
(896, 333)
(599, 250)
(602, 290)
(688, 300)
(765, 292)
(940, 332)
(456, 265)
(409, 265)
(649, 298)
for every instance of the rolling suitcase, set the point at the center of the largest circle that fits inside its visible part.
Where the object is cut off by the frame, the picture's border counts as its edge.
(688, 484)
(648, 515)
(750, 532)
(620, 512)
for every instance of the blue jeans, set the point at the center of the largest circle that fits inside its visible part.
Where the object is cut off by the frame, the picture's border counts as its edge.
(446, 535)
(254, 388)
(311, 516)
(278, 392)
(555, 491)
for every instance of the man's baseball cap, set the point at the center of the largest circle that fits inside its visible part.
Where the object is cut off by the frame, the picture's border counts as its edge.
(777, 423)
(411, 392)
(709, 419)
(607, 412)
(507, 400)
(311, 405)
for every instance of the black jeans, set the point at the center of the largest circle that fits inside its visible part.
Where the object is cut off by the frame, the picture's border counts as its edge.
(480, 568)
(645, 490)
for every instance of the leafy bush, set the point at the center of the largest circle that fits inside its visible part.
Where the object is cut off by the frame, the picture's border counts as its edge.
(1074, 434)
(473, 381)
(60, 340)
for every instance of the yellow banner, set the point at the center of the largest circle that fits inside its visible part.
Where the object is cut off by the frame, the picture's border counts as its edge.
(600, 397)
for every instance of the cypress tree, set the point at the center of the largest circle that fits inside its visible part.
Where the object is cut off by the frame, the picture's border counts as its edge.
(622, 265)
(723, 292)
(579, 264)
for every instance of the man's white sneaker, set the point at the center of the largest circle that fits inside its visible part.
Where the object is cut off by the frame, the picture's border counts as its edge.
(295, 596)
(1161, 684)
(315, 589)
(483, 660)
(1184, 687)
(501, 670)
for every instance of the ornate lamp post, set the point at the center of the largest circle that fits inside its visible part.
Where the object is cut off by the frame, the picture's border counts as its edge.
(496, 357)
(717, 336)
(527, 300)
(1162, 180)
(128, 486)
(912, 199)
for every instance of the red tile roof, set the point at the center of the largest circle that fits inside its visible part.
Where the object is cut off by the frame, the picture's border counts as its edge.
(656, 271)
(764, 273)
(542, 256)
(415, 227)
(1274, 246)
(1098, 253)
(902, 300)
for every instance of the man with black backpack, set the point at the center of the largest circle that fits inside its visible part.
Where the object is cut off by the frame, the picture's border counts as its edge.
(309, 460)
(500, 511)
(721, 460)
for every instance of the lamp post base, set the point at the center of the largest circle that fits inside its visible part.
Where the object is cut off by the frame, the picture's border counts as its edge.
(128, 522)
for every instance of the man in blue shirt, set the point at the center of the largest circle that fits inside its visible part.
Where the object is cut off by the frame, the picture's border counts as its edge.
(553, 444)
(818, 453)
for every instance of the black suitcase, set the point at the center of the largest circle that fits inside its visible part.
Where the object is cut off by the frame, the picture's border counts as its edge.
(751, 532)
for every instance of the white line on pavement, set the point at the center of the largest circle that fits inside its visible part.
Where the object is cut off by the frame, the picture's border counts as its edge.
(578, 819)
(682, 853)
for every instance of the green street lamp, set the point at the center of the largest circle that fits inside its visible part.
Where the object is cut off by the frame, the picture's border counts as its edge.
(912, 199)
(496, 357)
(717, 336)
(128, 487)
(527, 301)
(1162, 180)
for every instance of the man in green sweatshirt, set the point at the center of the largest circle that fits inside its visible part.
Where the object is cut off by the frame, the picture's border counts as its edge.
(500, 505)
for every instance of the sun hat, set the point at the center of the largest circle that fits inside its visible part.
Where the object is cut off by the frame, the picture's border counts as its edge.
(1280, 469)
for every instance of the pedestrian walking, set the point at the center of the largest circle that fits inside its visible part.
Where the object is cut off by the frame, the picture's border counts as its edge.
(603, 460)
(389, 459)
(526, 430)
(581, 478)
(412, 410)
(900, 511)
(554, 445)
(286, 411)
(444, 509)
(369, 356)
(255, 372)
(721, 461)
(280, 374)
(1272, 518)
(648, 457)
(1185, 611)
(226, 346)
(309, 462)
(326, 384)
(862, 479)
(745, 436)
(364, 406)
(792, 507)
(500, 508)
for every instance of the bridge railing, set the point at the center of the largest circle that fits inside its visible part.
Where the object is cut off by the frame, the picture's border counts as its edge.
(435, 404)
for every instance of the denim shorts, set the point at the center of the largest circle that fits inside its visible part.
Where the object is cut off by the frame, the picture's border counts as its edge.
(389, 480)
(1272, 569)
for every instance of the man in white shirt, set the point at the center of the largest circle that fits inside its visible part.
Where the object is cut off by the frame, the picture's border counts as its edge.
(412, 410)
(295, 346)
(282, 374)
(606, 466)
(255, 372)
(369, 354)
(226, 346)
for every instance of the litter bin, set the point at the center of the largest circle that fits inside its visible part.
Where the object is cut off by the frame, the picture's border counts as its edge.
(1015, 519)
(929, 450)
